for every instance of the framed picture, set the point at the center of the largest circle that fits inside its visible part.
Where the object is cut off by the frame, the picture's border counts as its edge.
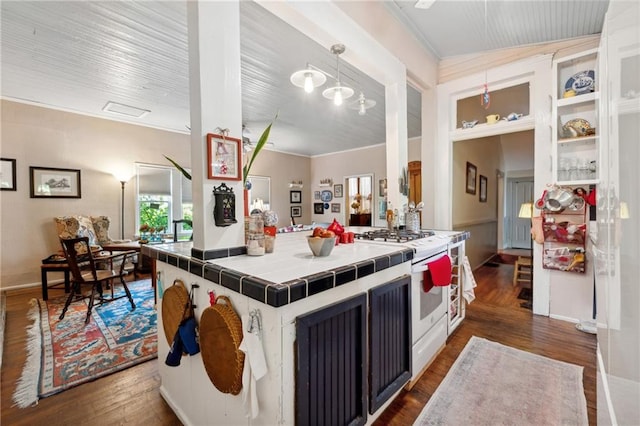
(335, 207)
(483, 189)
(223, 157)
(295, 196)
(7, 174)
(318, 208)
(296, 211)
(316, 195)
(337, 190)
(382, 188)
(471, 178)
(48, 182)
(382, 209)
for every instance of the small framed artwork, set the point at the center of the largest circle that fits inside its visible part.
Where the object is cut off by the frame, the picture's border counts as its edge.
(296, 211)
(223, 157)
(318, 208)
(382, 188)
(7, 174)
(316, 195)
(295, 196)
(483, 189)
(337, 190)
(49, 182)
(382, 209)
(471, 178)
(335, 207)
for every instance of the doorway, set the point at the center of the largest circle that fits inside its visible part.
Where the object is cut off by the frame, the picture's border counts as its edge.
(520, 190)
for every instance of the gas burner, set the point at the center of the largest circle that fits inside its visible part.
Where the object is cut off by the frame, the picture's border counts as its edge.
(397, 235)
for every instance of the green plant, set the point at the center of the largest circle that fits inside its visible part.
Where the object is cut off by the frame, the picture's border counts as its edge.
(177, 166)
(261, 143)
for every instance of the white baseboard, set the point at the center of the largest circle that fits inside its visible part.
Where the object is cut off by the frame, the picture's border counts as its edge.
(563, 318)
(178, 412)
(29, 285)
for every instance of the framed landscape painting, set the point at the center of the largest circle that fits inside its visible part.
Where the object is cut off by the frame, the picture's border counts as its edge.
(49, 182)
(7, 174)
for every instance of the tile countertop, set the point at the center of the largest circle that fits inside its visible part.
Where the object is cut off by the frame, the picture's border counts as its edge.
(288, 274)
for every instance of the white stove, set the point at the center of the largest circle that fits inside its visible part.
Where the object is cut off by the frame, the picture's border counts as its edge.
(425, 243)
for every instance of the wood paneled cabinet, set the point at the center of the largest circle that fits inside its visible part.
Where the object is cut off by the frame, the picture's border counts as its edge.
(339, 373)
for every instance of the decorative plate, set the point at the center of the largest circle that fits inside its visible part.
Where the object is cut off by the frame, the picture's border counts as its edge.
(326, 196)
(582, 82)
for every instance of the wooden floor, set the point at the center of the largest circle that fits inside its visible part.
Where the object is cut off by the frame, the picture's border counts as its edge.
(132, 397)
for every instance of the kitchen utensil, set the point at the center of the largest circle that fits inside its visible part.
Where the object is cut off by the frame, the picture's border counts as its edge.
(420, 205)
(577, 203)
(558, 198)
(577, 259)
(540, 202)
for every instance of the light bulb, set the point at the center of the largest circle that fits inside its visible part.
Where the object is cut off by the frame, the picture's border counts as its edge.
(308, 82)
(362, 110)
(337, 96)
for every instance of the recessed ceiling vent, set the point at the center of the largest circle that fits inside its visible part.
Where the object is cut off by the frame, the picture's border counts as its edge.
(123, 109)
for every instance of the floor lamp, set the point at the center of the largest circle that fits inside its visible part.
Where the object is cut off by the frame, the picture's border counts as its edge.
(122, 182)
(526, 212)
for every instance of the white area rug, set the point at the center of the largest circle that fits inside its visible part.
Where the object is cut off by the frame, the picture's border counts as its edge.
(493, 384)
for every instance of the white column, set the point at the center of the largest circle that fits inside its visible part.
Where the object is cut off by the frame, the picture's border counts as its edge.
(215, 101)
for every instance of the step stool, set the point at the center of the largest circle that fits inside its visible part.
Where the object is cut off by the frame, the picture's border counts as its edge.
(522, 270)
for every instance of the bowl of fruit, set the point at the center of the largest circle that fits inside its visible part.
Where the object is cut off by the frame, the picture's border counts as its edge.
(321, 242)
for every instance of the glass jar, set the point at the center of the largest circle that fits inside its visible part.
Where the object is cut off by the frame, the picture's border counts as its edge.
(256, 224)
(255, 244)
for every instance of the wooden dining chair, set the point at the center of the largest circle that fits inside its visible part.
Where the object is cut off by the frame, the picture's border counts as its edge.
(85, 272)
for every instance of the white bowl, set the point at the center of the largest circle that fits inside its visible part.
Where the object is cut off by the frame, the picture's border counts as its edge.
(321, 246)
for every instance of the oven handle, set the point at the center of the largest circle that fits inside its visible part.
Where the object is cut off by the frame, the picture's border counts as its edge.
(422, 264)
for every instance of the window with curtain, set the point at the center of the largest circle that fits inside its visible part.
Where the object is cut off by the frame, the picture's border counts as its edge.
(164, 195)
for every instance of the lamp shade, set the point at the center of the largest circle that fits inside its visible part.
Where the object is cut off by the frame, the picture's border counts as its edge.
(362, 104)
(308, 79)
(526, 211)
(338, 93)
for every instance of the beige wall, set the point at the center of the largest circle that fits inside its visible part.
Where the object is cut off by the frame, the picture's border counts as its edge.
(43, 137)
(282, 169)
(339, 165)
(468, 212)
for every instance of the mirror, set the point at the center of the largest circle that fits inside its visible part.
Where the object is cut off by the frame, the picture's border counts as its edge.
(260, 193)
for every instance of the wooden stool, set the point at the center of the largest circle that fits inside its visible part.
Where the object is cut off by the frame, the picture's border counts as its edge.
(522, 270)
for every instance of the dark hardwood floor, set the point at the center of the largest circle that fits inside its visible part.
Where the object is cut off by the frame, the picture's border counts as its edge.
(496, 315)
(132, 396)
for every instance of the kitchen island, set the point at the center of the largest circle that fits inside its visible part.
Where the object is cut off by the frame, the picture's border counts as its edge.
(290, 287)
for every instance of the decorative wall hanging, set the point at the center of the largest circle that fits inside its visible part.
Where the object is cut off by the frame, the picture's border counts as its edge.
(7, 174)
(54, 183)
(295, 197)
(224, 211)
(223, 156)
(483, 189)
(471, 178)
(337, 190)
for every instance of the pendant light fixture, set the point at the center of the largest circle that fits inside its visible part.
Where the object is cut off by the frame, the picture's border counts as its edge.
(362, 104)
(338, 93)
(308, 78)
(312, 77)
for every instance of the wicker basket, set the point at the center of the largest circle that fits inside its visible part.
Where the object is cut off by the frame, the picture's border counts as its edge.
(220, 338)
(174, 300)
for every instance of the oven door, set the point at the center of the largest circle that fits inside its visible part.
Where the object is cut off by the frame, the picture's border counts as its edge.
(426, 308)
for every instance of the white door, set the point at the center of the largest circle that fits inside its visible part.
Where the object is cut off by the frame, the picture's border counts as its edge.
(521, 191)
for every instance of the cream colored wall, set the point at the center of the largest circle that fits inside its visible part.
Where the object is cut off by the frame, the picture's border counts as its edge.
(339, 165)
(468, 212)
(282, 169)
(42, 137)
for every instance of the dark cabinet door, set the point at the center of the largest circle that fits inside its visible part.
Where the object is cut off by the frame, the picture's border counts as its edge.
(331, 379)
(389, 340)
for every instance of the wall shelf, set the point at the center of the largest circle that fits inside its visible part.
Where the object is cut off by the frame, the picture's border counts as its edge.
(499, 128)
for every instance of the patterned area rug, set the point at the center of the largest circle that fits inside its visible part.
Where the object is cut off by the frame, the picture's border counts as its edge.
(493, 384)
(65, 353)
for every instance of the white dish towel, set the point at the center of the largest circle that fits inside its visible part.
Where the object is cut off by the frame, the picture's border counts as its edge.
(255, 367)
(469, 282)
